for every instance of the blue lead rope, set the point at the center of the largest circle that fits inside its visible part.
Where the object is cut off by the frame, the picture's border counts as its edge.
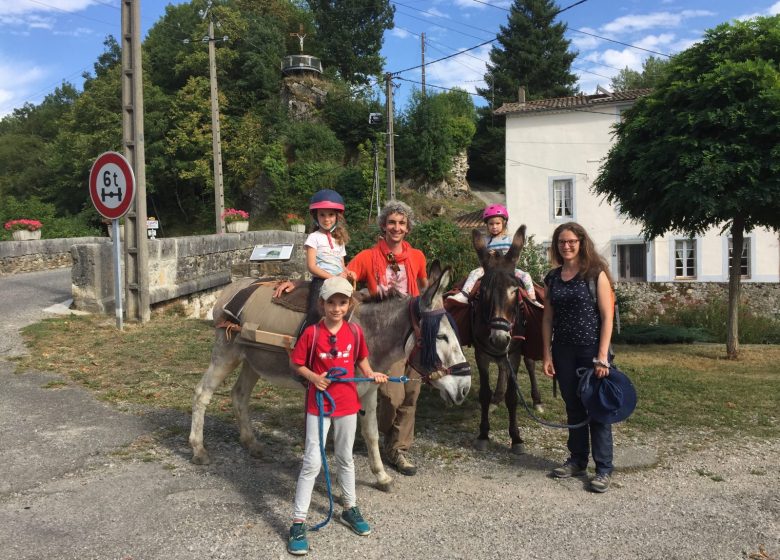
(335, 375)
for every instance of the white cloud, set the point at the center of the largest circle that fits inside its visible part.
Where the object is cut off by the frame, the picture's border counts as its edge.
(584, 42)
(774, 9)
(460, 71)
(641, 22)
(15, 7)
(400, 33)
(24, 77)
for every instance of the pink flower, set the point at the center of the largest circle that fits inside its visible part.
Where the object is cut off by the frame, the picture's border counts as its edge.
(30, 225)
(233, 215)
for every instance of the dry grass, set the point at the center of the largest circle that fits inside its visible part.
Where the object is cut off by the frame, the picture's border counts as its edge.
(683, 389)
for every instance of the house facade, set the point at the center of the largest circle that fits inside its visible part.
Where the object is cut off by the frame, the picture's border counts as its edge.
(554, 149)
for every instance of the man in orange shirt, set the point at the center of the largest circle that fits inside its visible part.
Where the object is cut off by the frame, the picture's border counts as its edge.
(393, 264)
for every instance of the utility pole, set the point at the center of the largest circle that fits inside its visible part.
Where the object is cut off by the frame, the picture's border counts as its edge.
(136, 249)
(422, 46)
(216, 144)
(390, 141)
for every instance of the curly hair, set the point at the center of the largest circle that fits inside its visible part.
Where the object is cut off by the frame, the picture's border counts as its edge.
(591, 262)
(395, 207)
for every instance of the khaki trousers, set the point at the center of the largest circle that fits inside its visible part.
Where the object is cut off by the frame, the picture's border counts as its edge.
(397, 408)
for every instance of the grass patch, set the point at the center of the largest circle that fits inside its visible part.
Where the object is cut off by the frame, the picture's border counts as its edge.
(687, 389)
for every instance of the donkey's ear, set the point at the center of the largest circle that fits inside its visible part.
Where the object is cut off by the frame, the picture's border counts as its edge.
(518, 242)
(480, 245)
(433, 297)
(434, 271)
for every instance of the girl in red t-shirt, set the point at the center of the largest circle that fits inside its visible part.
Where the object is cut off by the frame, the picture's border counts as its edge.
(331, 343)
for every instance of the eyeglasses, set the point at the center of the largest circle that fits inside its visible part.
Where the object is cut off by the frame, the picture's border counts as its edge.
(569, 242)
(391, 262)
(334, 352)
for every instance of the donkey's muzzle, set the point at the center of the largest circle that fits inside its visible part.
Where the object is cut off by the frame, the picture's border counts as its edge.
(461, 369)
(500, 324)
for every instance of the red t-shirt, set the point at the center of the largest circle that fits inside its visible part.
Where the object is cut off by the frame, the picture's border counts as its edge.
(344, 394)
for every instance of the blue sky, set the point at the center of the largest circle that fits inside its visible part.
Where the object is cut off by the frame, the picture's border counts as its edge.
(43, 42)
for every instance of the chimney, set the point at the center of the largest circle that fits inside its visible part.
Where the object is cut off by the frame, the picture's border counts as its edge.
(521, 94)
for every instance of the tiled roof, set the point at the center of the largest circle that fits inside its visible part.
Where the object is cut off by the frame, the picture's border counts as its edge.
(469, 221)
(571, 103)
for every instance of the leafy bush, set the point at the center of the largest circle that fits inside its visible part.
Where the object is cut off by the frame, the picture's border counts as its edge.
(55, 225)
(443, 240)
(660, 334)
(713, 317)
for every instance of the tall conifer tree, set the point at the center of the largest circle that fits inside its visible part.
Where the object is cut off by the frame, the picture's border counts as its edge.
(531, 51)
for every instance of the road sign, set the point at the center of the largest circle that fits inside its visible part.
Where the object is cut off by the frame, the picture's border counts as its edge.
(375, 118)
(111, 185)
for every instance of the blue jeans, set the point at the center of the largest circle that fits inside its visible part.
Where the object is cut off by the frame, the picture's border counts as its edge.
(594, 436)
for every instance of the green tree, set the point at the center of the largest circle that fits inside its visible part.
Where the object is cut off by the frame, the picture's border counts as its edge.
(532, 52)
(701, 151)
(652, 73)
(432, 130)
(349, 35)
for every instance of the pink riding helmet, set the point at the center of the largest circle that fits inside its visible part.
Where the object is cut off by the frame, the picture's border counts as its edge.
(495, 210)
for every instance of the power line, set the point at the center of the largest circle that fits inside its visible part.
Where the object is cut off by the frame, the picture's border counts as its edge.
(69, 12)
(445, 58)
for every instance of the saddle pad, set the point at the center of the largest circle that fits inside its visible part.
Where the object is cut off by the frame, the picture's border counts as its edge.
(264, 316)
(297, 300)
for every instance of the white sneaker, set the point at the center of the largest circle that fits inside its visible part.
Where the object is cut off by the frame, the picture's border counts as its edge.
(459, 297)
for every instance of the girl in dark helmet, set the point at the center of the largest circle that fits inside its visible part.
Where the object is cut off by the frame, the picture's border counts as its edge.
(325, 246)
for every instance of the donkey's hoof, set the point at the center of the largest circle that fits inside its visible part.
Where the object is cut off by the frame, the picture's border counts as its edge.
(201, 459)
(518, 449)
(255, 451)
(481, 444)
(539, 407)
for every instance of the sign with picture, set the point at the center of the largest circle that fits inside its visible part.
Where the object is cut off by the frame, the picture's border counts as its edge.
(281, 252)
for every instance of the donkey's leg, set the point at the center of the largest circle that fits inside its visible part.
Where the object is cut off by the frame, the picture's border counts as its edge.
(500, 390)
(241, 393)
(485, 395)
(511, 405)
(225, 356)
(530, 366)
(370, 431)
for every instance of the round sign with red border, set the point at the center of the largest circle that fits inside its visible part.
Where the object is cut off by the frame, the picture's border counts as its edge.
(111, 185)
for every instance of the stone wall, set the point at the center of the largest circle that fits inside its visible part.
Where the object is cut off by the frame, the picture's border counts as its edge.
(180, 267)
(650, 299)
(40, 254)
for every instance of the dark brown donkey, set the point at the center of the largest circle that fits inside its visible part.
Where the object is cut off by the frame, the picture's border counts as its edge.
(498, 312)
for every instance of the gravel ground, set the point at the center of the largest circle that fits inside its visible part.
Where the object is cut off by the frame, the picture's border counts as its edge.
(84, 480)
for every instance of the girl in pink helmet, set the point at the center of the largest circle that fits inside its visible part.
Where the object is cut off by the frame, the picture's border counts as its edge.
(498, 240)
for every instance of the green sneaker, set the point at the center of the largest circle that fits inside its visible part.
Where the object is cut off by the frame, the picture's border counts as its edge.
(297, 543)
(354, 520)
(600, 483)
(568, 469)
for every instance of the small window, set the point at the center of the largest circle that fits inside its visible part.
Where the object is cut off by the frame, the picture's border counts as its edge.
(562, 199)
(744, 265)
(685, 258)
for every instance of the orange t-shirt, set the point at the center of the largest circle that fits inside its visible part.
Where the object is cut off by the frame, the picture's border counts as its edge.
(362, 266)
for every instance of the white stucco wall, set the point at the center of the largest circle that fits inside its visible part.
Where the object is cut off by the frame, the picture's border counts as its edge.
(571, 144)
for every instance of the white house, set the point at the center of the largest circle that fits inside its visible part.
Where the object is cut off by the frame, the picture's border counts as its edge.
(554, 148)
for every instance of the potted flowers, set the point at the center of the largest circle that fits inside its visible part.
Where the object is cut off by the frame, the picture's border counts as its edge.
(236, 220)
(24, 229)
(296, 223)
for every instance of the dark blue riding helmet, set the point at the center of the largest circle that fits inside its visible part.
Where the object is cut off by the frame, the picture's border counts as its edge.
(326, 198)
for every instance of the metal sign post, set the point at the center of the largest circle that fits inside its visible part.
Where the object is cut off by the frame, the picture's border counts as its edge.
(112, 188)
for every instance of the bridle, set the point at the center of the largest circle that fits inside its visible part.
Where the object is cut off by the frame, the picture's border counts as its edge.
(418, 318)
(495, 322)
